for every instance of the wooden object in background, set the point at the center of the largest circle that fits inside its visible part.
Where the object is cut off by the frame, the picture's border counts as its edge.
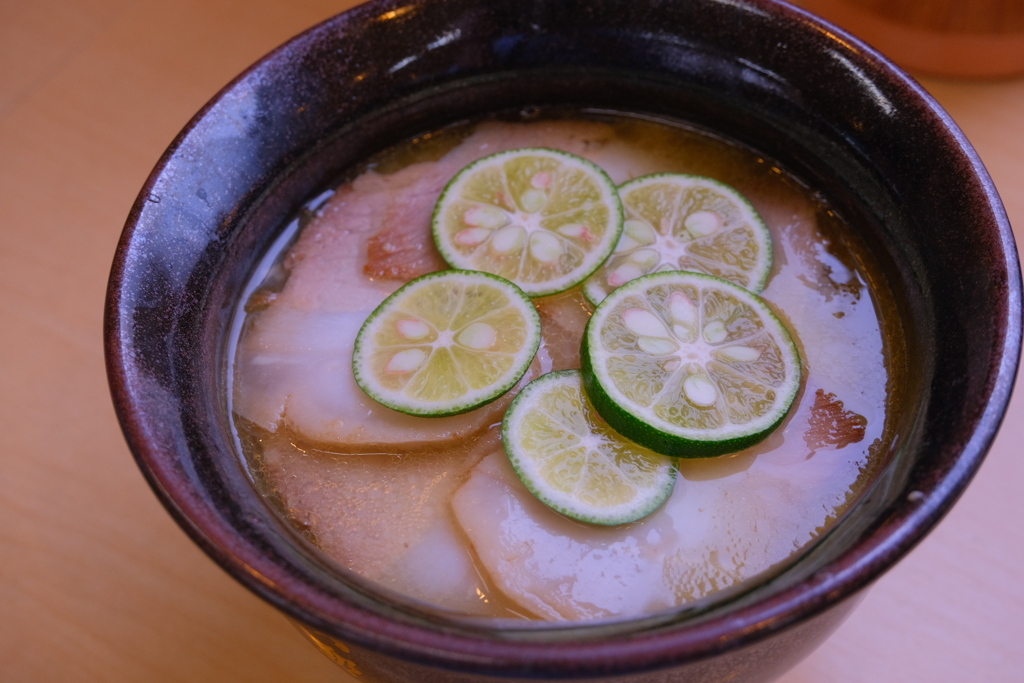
(960, 38)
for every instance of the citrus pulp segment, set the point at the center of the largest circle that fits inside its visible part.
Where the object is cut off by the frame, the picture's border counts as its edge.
(689, 365)
(541, 218)
(446, 342)
(685, 222)
(574, 462)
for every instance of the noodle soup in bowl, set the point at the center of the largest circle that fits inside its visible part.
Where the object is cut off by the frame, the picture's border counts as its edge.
(300, 197)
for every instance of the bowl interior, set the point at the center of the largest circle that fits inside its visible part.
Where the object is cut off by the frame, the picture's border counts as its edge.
(832, 112)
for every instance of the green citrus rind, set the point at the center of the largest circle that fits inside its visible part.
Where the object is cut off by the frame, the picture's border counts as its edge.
(541, 218)
(574, 463)
(446, 343)
(732, 243)
(729, 384)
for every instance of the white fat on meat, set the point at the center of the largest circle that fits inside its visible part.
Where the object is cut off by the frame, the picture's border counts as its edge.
(384, 516)
(551, 566)
(293, 361)
(309, 376)
(728, 520)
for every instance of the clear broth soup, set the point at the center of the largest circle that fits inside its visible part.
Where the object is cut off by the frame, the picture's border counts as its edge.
(430, 509)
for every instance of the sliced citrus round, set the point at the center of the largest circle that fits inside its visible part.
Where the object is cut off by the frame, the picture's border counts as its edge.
(542, 218)
(685, 222)
(689, 365)
(446, 342)
(569, 457)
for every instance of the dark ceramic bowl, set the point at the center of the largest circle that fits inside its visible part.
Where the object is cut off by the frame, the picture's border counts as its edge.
(830, 109)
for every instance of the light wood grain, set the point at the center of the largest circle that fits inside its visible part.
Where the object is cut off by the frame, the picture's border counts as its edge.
(98, 584)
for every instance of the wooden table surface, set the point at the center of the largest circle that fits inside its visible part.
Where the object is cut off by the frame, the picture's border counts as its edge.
(98, 584)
